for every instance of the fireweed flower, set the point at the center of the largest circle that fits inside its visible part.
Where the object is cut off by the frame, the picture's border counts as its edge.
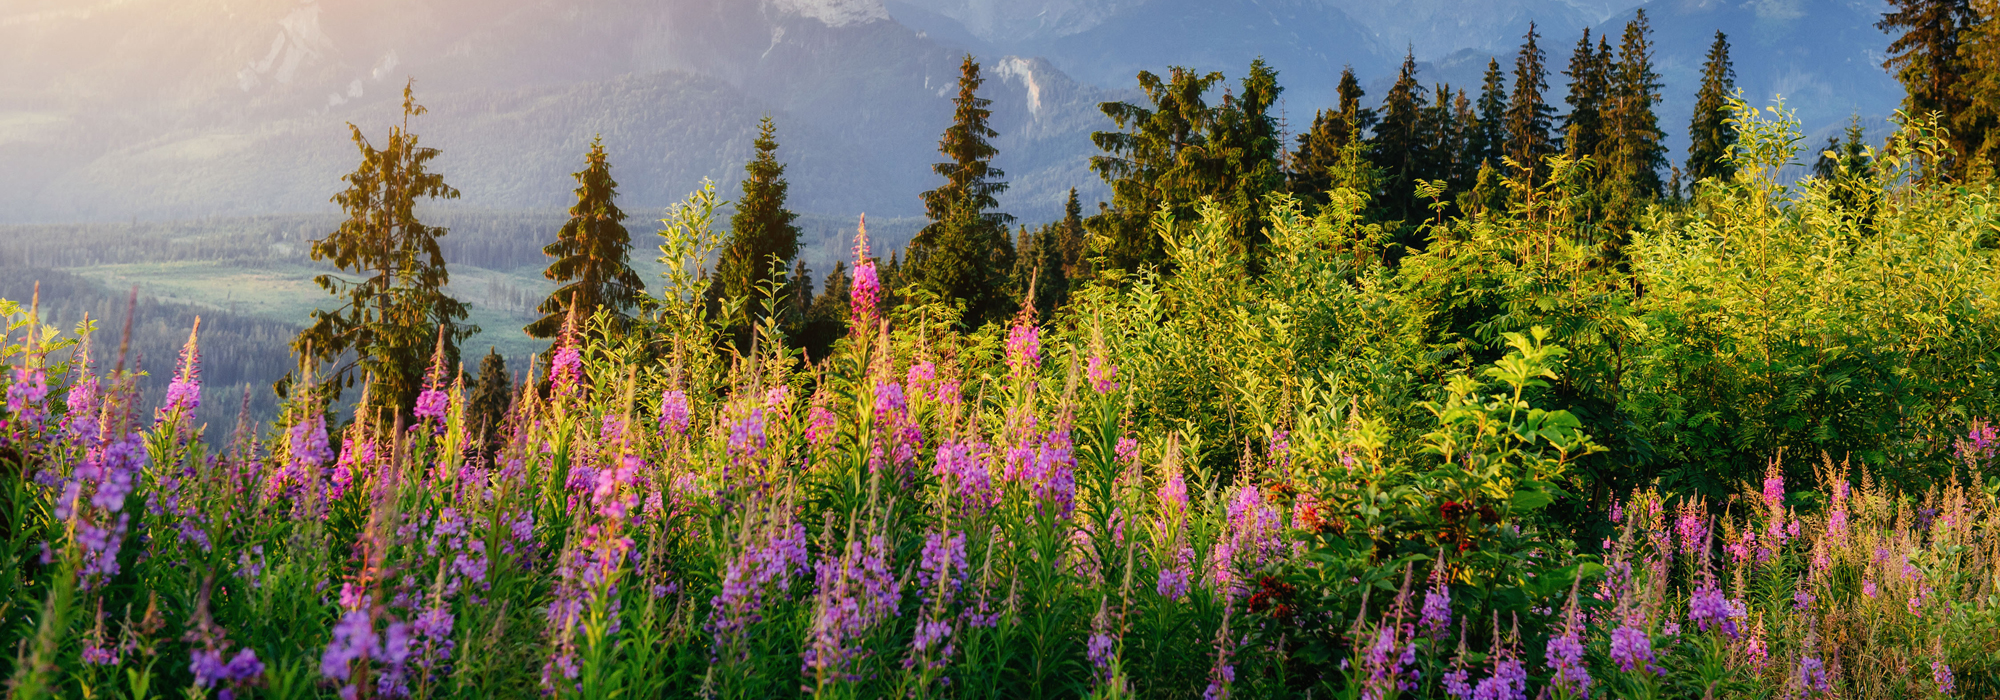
(566, 370)
(674, 413)
(1024, 349)
(1380, 667)
(210, 670)
(1941, 674)
(856, 592)
(1708, 607)
(1046, 464)
(1632, 648)
(965, 464)
(95, 499)
(819, 425)
(1435, 618)
(759, 571)
(184, 392)
(309, 450)
(1101, 374)
(353, 640)
(81, 416)
(1173, 580)
(1810, 676)
(25, 394)
(1565, 659)
(1508, 682)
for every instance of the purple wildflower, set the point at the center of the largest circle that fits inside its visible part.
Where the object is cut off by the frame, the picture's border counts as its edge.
(184, 392)
(566, 370)
(1173, 583)
(1508, 682)
(1024, 349)
(965, 464)
(1811, 676)
(1708, 607)
(24, 396)
(674, 412)
(1941, 673)
(1101, 374)
(1565, 659)
(433, 404)
(1435, 618)
(353, 639)
(1632, 648)
(856, 592)
(819, 425)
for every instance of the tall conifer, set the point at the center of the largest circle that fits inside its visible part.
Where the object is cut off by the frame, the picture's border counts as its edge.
(1925, 57)
(395, 314)
(763, 234)
(1401, 144)
(1489, 138)
(1634, 154)
(1527, 114)
(590, 253)
(1588, 75)
(965, 251)
(1320, 147)
(1710, 137)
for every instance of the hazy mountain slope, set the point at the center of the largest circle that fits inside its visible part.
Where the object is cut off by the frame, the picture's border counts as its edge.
(250, 117)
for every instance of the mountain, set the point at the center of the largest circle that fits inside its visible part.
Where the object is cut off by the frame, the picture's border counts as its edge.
(161, 109)
(174, 109)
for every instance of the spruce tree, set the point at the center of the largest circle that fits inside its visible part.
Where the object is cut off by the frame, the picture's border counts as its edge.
(1244, 147)
(398, 309)
(591, 254)
(1073, 246)
(1401, 144)
(1925, 56)
(1527, 114)
(1320, 147)
(1633, 154)
(965, 251)
(763, 235)
(826, 316)
(1489, 138)
(1711, 138)
(1177, 150)
(1583, 127)
(487, 410)
(1977, 126)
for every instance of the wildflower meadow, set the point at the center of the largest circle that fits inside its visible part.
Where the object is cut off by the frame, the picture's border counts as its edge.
(1497, 469)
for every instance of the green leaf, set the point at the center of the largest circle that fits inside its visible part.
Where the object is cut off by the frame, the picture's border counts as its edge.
(1531, 500)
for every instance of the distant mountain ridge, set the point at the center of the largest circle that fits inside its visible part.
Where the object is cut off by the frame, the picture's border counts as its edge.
(170, 109)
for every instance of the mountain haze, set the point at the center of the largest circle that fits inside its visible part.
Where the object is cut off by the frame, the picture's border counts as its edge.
(162, 110)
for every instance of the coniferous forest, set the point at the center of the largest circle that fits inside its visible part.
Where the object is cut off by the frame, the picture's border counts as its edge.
(1456, 392)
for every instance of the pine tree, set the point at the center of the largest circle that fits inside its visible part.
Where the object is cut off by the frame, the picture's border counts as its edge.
(1244, 146)
(1977, 126)
(487, 410)
(1178, 150)
(1527, 114)
(1633, 154)
(1070, 242)
(395, 314)
(1401, 145)
(1583, 127)
(591, 252)
(763, 235)
(1489, 138)
(1925, 57)
(965, 252)
(1320, 147)
(1711, 138)
(826, 316)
